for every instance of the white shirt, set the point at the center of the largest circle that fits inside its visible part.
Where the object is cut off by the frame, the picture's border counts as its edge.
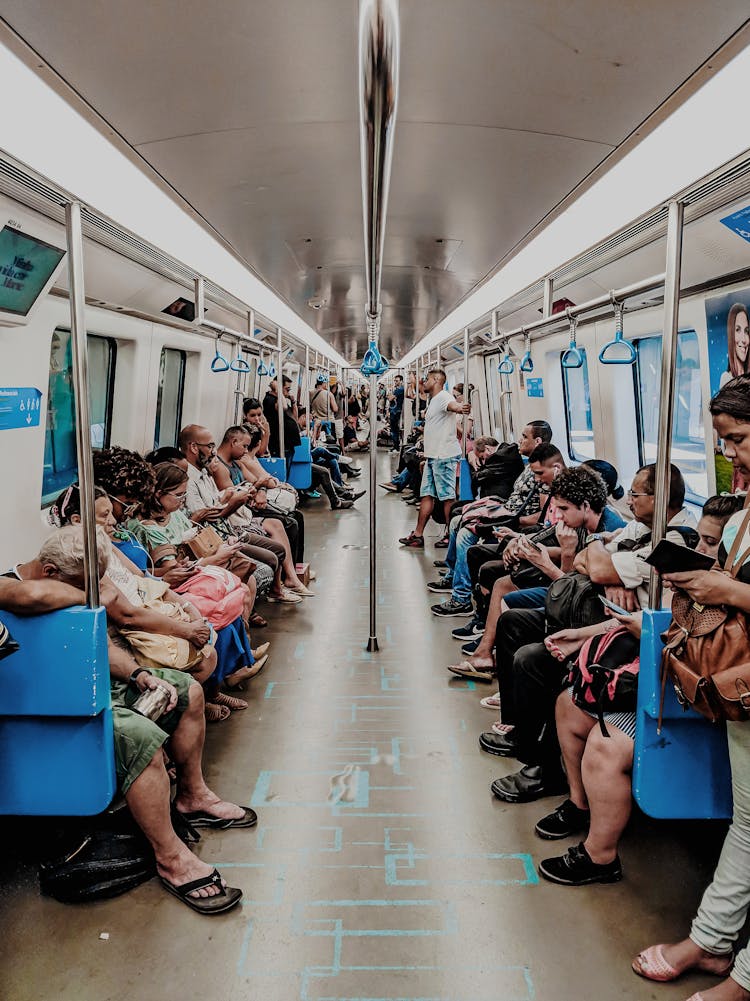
(630, 565)
(440, 441)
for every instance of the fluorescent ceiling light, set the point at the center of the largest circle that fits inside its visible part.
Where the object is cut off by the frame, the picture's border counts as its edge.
(699, 136)
(42, 130)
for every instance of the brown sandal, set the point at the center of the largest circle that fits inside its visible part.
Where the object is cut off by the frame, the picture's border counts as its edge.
(216, 713)
(221, 699)
(257, 621)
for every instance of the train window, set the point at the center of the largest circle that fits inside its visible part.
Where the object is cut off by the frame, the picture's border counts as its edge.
(169, 398)
(60, 462)
(688, 444)
(578, 410)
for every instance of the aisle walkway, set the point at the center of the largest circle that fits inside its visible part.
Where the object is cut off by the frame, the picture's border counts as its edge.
(381, 867)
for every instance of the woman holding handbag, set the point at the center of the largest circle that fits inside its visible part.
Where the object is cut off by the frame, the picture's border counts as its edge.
(723, 911)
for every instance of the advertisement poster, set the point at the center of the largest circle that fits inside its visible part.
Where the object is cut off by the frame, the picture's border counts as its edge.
(728, 356)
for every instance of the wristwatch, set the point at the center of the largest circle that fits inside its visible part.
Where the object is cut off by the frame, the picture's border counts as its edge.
(134, 675)
(594, 537)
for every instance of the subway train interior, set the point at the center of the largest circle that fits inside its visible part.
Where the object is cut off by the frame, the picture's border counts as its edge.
(356, 357)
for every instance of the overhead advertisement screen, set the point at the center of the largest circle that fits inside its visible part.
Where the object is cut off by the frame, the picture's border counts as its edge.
(25, 268)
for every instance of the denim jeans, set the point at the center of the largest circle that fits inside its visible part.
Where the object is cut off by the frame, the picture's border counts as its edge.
(401, 479)
(724, 907)
(450, 553)
(465, 538)
(322, 457)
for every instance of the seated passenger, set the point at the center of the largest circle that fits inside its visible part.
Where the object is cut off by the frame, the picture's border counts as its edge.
(222, 510)
(580, 498)
(723, 910)
(289, 410)
(139, 759)
(352, 441)
(545, 463)
(531, 678)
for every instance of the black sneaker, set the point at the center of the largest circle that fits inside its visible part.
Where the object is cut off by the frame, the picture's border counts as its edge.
(444, 584)
(452, 607)
(356, 494)
(440, 564)
(343, 504)
(575, 868)
(472, 646)
(412, 541)
(469, 631)
(567, 819)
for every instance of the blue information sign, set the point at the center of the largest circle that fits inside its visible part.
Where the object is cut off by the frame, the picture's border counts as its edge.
(739, 223)
(20, 407)
(535, 387)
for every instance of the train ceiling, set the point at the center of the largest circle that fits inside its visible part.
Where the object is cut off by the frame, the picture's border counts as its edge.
(249, 111)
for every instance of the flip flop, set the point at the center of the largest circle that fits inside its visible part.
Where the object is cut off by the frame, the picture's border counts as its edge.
(224, 900)
(467, 670)
(662, 971)
(490, 701)
(201, 818)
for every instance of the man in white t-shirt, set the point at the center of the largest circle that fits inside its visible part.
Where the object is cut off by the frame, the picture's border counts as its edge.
(441, 450)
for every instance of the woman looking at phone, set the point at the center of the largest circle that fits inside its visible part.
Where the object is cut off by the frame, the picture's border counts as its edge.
(709, 947)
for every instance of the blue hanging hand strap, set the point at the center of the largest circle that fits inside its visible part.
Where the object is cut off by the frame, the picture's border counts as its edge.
(239, 364)
(262, 368)
(219, 363)
(572, 358)
(618, 351)
(527, 362)
(373, 363)
(506, 366)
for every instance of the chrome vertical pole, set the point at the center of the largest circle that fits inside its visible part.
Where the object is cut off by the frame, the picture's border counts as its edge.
(467, 394)
(280, 391)
(548, 297)
(667, 387)
(82, 407)
(372, 643)
(200, 300)
(306, 388)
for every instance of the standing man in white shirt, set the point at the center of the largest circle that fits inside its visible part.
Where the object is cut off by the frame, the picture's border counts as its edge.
(441, 451)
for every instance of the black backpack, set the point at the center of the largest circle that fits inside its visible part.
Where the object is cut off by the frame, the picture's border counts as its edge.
(500, 471)
(572, 602)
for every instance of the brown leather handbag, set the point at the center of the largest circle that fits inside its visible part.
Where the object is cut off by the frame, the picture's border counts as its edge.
(706, 653)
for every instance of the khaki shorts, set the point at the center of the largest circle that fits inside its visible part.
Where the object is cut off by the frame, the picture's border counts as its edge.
(137, 739)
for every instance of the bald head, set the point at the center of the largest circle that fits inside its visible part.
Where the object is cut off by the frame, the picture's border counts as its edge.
(197, 445)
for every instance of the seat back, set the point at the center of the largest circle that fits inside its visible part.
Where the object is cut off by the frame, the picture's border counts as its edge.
(300, 469)
(275, 466)
(56, 737)
(465, 489)
(683, 772)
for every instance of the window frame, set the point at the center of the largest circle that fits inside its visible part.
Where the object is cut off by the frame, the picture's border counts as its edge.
(180, 396)
(690, 496)
(48, 497)
(566, 408)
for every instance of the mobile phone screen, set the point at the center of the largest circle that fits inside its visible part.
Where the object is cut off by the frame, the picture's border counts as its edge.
(612, 606)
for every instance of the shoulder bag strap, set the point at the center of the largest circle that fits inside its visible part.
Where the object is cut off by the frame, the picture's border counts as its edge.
(729, 565)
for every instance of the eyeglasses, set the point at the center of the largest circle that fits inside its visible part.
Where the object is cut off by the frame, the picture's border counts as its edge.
(632, 493)
(128, 510)
(203, 444)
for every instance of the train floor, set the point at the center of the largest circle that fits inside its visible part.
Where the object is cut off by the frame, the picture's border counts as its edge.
(381, 867)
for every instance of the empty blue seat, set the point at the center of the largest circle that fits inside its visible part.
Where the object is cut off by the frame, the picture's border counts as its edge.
(56, 744)
(683, 772)
(300, 469)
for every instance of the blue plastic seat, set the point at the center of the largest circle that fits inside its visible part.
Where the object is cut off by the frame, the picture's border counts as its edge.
(275, 466)
(56, 745)
(465, 489)
(300, 469)
(682, 773)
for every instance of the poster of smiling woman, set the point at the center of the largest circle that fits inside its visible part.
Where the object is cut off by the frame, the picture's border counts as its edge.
(728, 355)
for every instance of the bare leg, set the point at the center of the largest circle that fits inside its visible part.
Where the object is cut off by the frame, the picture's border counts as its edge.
(148, 802)
(187, 750)
(204, 668)
(573, 727)
(605, 769)
(447, 505)
(426, 507)
(482, 656)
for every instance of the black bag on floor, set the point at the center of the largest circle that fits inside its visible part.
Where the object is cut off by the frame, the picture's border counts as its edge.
(109, 857)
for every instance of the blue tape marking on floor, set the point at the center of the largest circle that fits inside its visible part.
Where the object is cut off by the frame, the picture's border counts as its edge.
(245, 947)
(269, 689)
(388, 635)
(299, 651)
(260, 796)
(446, 910)
(370, 974)
(462, 725)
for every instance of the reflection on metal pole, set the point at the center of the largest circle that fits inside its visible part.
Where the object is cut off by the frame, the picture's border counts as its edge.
(82, 408)
(667, 387)
(280, 391)
(306, 389)
(466, 394)
(372, 643)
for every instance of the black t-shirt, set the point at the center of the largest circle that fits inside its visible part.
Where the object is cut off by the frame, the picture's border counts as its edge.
(354, 409)
(292, 436)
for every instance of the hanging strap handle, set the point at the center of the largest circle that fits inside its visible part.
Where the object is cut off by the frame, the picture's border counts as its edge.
(572, 358)
(219, 363)
(617, 351)
(527, 362)
(506, 366)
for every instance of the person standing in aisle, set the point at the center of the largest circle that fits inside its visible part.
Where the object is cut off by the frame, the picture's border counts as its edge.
(441, 451)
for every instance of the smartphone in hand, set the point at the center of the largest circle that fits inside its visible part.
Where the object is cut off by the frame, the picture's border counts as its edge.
(613, 607)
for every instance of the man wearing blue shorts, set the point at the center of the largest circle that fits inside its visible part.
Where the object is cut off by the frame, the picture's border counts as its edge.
(441, 450)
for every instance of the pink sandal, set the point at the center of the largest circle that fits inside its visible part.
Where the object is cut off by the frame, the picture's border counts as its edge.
(651, 965)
